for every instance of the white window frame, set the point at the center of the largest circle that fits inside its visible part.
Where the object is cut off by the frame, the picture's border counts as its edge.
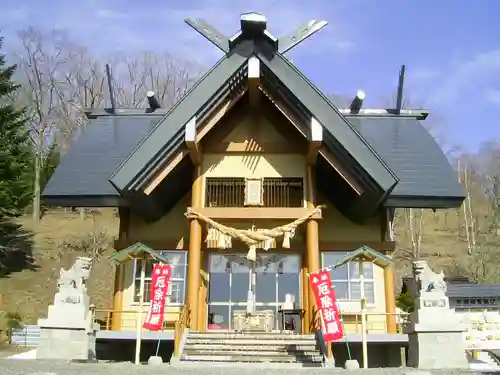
(135, 298)
(352, 304)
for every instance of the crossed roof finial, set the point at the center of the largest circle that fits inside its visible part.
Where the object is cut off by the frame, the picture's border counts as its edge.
(254, 25)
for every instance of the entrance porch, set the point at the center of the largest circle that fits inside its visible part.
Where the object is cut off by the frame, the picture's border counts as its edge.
(235, 284)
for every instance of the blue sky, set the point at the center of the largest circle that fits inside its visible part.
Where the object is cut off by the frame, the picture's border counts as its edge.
(451, 47)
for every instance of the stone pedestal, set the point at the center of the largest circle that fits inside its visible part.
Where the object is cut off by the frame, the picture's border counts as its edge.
(69, 332)
(435, 334)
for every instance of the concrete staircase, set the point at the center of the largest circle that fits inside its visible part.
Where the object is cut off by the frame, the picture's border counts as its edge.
(225, 348)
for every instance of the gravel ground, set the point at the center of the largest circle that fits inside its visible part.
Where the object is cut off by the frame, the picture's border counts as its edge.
(32, 367)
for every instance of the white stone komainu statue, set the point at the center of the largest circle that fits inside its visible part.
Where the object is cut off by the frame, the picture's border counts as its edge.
(69, 330)
(435, 333)
(426, 281)
(77, 276)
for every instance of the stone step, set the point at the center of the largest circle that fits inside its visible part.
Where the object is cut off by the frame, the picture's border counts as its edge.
(201, 365)
(260, 353)
(252, 336)
(251, 348)
(249, 342)
(251, 358)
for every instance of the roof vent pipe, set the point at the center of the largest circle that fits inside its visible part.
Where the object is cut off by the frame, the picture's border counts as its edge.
(154, 104)
(109, 78)
(357, 102)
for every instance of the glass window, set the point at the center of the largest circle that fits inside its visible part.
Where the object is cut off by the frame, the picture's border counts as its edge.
(345, 279)
(240, 279)
(177, 283)
(219, 289)
(266, 270)
(218, 317)
(288, 277)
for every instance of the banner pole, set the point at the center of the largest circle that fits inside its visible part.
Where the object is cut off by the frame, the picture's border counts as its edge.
(347, 345)
(364, 340)
(139, 315)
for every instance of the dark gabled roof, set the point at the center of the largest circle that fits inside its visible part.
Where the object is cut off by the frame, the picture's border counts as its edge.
(119, 153)
(84, 171)
(82, 176)
(164, 138)
(341, 137)
(426, 178)
(338, 131)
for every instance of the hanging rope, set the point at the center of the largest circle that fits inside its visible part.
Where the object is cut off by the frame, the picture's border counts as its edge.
(254, 237)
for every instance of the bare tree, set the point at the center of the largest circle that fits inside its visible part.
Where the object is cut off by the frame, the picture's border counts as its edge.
(84, 86)
(39, 63)
(169, 77)
(60, 79)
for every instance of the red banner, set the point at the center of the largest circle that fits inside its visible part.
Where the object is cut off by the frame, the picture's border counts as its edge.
(321, 285)
(159, 290)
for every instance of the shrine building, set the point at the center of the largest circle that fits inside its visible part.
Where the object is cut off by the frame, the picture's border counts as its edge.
(255, 145)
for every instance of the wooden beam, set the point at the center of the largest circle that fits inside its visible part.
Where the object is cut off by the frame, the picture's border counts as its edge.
(252, 146)
(244, 213)
(315, 142)
(341, 170)
(254, 80)
(313, 139)
(208, 125)
(281, 107)
(385, 247)
(171, 164)
(193, 136)
(191, 143)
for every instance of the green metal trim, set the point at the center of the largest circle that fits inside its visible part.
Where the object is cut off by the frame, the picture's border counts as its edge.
(418, 201)
(330, 117)
(137, 251)
(176, 118)
(366, 253)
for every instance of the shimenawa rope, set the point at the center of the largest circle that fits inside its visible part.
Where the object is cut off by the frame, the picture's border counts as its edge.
(253, 237)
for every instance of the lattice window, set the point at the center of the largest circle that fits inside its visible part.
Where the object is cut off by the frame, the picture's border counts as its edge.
(275, 192)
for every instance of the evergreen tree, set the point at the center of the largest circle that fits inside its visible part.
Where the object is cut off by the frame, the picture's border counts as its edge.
(15, 150)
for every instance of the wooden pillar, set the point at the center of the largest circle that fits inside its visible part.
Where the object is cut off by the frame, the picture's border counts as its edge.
(116, 317)
(194, 253)
(390, 300)
(202, 302)
(306, 320)
(312, 244)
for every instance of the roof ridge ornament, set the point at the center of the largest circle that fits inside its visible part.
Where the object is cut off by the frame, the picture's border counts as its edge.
(254, 26)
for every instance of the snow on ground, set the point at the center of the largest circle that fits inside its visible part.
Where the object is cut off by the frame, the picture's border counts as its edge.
(31, 354)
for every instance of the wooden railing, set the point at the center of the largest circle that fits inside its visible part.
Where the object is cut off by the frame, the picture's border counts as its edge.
(104, 317)
(180, 326)
(352, 322)
(372, 325)
(375, 325)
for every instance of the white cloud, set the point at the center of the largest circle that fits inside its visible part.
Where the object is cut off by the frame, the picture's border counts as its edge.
(423, 74)
(108, 25)
(465, 77)
(493, 96)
